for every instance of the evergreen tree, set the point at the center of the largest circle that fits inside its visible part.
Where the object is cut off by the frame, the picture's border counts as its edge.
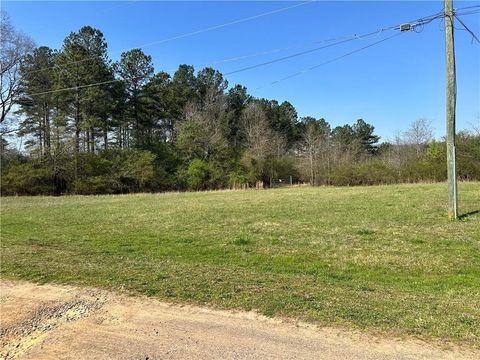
(237, 100)
(36, 101)
(82, 62)
(364, 134)
(210, 85)
(184, 84)
(135, 68)
(158, 101)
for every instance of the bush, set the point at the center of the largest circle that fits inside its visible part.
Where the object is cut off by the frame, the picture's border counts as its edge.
(202, 175)
(237, 179)
(95, 185)
(342, 175)
(435, 163)
(29, 178)
(197, 175)
(135, 169)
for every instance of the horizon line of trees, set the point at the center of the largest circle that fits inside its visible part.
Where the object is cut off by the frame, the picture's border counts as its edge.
(144, 131)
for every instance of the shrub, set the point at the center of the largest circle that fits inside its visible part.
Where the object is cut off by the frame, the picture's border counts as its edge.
(237, 179)
(29, 178)
(95, 185)
(202, 175)
(135, 169)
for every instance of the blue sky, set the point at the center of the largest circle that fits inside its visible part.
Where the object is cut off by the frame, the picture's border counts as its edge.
(389, 85)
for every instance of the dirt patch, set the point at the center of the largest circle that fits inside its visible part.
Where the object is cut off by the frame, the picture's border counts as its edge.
(62, 322)
(28, 318)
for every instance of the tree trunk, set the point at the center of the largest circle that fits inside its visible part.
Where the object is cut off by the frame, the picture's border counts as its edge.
(77, 125)
(137, 121)
(119, 136)
(92, 140)
(105, 138)
(40, 137)
(86, 146)
(47, 134)
(311, 170)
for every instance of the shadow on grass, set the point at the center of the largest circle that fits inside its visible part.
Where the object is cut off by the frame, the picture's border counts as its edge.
(467, 215)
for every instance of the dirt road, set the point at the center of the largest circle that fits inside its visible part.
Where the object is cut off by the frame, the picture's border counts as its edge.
(63, 322)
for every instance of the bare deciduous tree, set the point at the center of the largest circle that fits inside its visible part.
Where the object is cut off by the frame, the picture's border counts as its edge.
(316, 149)
(264, 144)
(312, 142)
(419, 134)
(202, 133)
(476, 126)
(14, 45)
(256, 130)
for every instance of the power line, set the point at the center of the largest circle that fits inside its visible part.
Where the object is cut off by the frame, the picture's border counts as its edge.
(291, 56)
(424, 20)
(298, 45)
(467, 12)
(462, 12)
(299, 73)
(418, 22)
(468, 7)
(271, 51)
(75, 87)
(192, 33)
(256, 54)
(215, 27)
(415, 23)
(328, 62)
(466, 28)
(354, 37)
(350, 38)
(220, 26)
(298, 54)
(470, 12)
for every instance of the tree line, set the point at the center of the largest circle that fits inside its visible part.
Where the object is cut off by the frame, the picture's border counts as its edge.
(141, 130)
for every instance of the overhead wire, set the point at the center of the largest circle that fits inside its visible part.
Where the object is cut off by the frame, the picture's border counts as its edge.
(467, 29)
(298, 45)
(352, 37)
(234, 58)
(421, 23)
(214, 28)
(328, 61)
(191, 33)
(244, 69)
(418, 22)
(468, 7)
(75, 87)
(270, 51)
(297, 54)
(467, 12)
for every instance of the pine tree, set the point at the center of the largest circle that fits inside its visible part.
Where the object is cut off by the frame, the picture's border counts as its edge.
(81, 63)
(135, 68)
(36, 102)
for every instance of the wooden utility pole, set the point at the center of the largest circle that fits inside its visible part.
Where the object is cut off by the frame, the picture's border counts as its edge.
(451, 103)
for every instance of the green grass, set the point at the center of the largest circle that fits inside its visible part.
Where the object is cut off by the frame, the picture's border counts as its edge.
(384, 259)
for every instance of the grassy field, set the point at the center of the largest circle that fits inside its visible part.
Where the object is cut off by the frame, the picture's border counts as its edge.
(383, 259)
